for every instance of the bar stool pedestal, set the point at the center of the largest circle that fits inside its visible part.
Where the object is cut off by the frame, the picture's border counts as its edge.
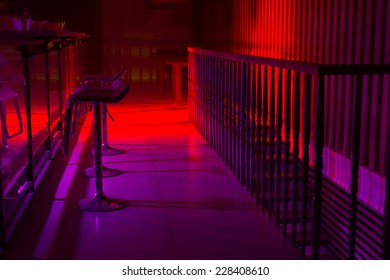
(97, 96)
(99, 202)
(107, 150)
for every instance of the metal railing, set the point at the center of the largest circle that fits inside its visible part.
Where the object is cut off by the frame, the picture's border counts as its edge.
(266, 119)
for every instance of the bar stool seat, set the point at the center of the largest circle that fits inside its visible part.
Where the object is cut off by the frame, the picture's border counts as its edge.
(97, 96)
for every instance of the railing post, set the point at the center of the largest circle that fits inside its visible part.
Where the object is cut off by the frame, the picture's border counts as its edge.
(318, 164)
(296, 128)
(279, 123)
(305, 163)
(287, 126)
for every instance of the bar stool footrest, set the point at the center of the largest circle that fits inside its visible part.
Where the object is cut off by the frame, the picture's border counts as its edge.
(100, 203)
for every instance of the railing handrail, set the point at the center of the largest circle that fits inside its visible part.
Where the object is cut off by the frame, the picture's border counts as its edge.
(311, 68)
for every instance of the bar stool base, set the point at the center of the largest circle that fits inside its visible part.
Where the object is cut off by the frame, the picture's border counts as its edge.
(106, 172)
(100, 203)
(110, 151)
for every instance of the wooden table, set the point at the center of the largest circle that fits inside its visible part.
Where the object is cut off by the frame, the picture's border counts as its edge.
(176, 77)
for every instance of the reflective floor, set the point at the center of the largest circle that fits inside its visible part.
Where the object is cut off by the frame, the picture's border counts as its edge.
(184, 203)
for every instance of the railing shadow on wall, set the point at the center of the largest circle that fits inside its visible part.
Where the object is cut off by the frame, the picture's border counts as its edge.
(267, 120)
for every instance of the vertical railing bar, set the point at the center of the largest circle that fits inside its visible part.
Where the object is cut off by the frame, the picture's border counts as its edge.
(242, 123)
(265, 146)
(386, 212)
(247, 126)
(271, 178)
(296, 128)
(226, 109)
(355, 165)
(212, 103)
(222, 95)
(230, 125)
(235, 118)
(253, 129)
(238, 119)
(287, 124)
(202, 86)
(222, 108)
(201, 94)
(219, 105)
(305, 163)
(318, 164)
(279, 123)
(207, 100)
(258, 136)
(236, 123)
(231, 114)
(215, 105)
(201, 98)
(196, 66)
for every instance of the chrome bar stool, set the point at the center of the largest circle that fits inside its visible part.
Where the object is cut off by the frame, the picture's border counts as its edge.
(105, 80)
(97, 96)
(98, 80)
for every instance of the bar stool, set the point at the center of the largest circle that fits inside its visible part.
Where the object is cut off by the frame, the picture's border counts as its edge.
(105, 80)
(102, 81)
(97, 96)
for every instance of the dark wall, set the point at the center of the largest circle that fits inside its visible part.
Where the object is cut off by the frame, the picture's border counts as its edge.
(134, 33)
(122, 32)
(212, 24)
(81, 16)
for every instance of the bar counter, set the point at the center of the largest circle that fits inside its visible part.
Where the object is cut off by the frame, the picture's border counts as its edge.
(50, 63)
